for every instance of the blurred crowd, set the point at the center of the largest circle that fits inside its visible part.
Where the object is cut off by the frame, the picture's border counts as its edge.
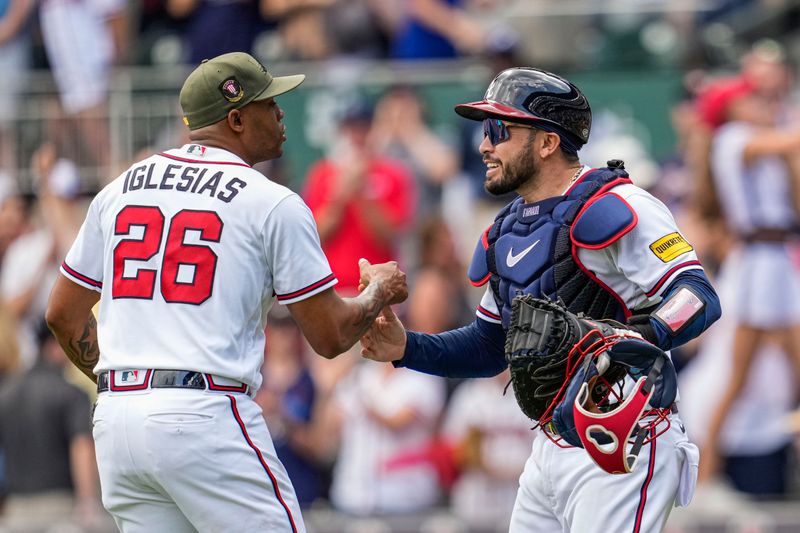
(362, 438)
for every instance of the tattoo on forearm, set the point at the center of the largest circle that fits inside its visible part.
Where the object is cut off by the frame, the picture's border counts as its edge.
(83, 351)
(370, 302)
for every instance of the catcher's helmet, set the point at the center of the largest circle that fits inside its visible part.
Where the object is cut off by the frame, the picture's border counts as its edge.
(536, 97)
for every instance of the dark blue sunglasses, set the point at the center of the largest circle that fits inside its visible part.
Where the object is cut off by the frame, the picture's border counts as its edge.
(497, 131)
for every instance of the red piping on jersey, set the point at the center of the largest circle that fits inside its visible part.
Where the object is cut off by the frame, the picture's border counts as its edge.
(485, 237)
(485, 243)
(625, 310)
(482, 310)
(614, 238)
(481, 282)
(228, 388)
(86, 279)
(120, 388)
(262, 461)
(601, 190)
(669, 273)
(307, 289)
(643, 492)
(187, 160)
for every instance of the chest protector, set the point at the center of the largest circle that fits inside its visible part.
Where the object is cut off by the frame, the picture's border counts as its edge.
(533, 248)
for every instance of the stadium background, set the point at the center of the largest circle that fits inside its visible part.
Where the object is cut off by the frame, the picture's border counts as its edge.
(641, 64)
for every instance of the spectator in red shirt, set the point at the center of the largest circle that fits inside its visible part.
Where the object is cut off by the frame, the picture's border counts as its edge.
(360, 200)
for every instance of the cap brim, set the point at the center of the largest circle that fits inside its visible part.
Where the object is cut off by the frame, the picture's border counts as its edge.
(488, 109)
(280, 85)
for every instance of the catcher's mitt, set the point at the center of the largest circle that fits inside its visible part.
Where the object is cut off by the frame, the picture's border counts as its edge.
(542, 345)
(568, 374)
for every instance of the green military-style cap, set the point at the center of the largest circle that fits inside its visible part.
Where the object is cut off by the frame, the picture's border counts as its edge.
(229, 81)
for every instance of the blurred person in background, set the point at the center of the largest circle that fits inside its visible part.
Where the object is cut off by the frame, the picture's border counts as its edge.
(289, 398)
(84, 40)
(9, 364)
(493, 440)
(14, 220)
(430, 29)
(15, 52)
(400, 131)
(215, 27)
(327, 29)
(754, 444)
(382, 414)
(46, 436)
(437, 300)
(30, 264)
(301, 26)
(362, 201)
(752, 163)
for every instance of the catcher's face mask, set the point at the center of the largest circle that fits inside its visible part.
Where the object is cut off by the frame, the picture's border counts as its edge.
(601, 412)
(613, 430)
(605, 435)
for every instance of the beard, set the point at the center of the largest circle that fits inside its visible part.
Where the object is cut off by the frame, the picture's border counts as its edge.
(515, 174)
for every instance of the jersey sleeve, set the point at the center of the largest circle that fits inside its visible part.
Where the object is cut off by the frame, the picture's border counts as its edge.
(294, 254)
(487, 308)
(84, 261)
(654, 251)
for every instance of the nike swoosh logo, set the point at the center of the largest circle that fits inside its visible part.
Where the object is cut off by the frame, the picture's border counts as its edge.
(512, 259)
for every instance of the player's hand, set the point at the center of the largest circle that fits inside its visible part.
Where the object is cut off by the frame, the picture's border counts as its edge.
(385, 341)
(390, 277)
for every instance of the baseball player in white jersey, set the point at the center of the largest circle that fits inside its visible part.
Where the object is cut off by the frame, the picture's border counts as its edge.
(754, 186)
(186, 251)
(592, 240)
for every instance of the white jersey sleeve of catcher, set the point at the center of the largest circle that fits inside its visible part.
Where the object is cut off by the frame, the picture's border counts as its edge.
(189, 249)
(638, 266)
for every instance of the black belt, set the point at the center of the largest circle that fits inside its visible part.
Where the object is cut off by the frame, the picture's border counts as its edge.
(165, 379)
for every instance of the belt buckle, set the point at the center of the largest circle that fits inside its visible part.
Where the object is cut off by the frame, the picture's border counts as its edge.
(181, 379)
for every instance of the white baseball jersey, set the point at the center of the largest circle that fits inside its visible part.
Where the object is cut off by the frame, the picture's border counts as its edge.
(189, 249)
(638, 266)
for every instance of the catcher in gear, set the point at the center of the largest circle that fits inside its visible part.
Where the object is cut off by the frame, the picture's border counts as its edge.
(605, 249)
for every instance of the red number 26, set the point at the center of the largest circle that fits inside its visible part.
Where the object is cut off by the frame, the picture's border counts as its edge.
(195, 263)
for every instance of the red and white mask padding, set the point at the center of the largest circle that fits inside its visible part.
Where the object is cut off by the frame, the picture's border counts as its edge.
(612, 425)
(608, 436)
